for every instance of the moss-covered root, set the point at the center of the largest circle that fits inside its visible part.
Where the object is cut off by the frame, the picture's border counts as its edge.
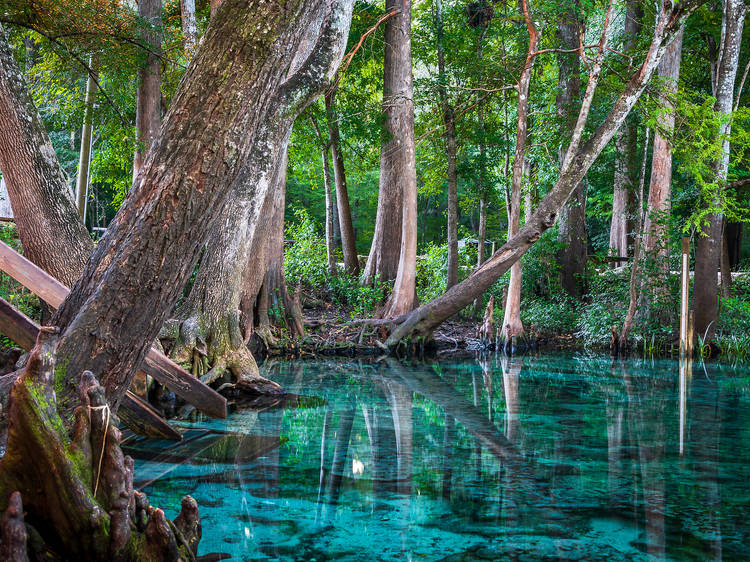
(78, 492)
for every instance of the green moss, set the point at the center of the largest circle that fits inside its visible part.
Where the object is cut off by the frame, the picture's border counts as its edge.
(61, 370)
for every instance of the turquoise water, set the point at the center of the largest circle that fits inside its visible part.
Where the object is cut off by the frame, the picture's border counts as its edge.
(548, 457)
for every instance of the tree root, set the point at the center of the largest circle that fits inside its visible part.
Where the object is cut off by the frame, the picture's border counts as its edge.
(79, 494)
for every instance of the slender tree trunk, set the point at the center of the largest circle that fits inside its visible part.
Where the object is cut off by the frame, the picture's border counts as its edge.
(449, 122)
(398, 169)
(578, 160)
(84, 161)
(626, 156)
(41, 200)
(656, 227)
(726, 268)
(189, 26)
(708, 246)
(330, 238)
(572, 222)
(348, 239)
(512, 326)
(393, 251)
(481, 178)
(148, 96)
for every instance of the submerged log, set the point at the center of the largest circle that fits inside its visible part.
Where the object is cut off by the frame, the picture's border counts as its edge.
(135, 414)
(165, 371)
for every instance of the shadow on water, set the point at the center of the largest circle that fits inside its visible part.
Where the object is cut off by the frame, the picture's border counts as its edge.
(546, 457)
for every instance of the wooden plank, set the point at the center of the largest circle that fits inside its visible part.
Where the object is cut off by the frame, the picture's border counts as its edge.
(134, 412)
(139, 416)
(161, 368)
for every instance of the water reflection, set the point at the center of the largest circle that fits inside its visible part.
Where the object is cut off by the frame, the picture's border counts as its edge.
(557, 457)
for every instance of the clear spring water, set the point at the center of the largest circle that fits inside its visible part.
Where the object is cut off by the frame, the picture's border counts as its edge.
(548, 457)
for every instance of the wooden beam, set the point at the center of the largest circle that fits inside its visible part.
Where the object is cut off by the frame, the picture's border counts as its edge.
(161, 368)
(134, 412)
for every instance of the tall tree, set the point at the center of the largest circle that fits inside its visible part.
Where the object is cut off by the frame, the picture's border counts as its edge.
(572, 221)
(394, 256)
(189, 26)
(348, 239)
(84, 161)
(626, 154)
(41, 200)
(148, 96)
(579, 157)
(449, 122)
(512, 325)
(708, 246)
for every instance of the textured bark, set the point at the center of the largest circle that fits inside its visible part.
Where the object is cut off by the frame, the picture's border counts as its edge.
(148, 95)
(656, 227)
(189, 26)
(211, 315)
(578, 160)
(626, 156)
(449, 121)
(393, 251)
(572, 221)
(42, 203)
(348, 239)
(708, 246)
(512, 326)
(84, 161)
(214, 145)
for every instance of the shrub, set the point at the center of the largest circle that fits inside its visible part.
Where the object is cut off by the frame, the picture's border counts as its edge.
(305, 259)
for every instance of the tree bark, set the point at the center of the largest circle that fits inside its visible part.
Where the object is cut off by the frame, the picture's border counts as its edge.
(42, 204)
(579, 158)
(148, 96)
(656, 227)
(214, 145)
(189, 26)
(708, 246)
(449, 121)
(572, 221)
(512, 325)
(348, 239)
(394, 245)
(626, 157)
(84, 161)
(330, 218)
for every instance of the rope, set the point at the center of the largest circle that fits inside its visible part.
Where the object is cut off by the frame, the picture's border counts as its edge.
(104, 442)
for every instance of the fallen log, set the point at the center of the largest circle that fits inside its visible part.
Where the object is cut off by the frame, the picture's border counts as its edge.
(156, 365)
(134, 412)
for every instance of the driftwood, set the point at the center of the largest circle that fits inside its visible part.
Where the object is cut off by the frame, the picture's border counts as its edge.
(134, 413)
(165, 371)
(486, 330)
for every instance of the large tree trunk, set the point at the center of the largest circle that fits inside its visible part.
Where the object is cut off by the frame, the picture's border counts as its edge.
(572, 221)
(578, 160)
(51, 233)
(451, 277)
(148, 96)
(84, 160)
(512, 326)
(348, 239)
(394, 244)
(708, 247)
(211, 315)
(656, 227)
(626, 156)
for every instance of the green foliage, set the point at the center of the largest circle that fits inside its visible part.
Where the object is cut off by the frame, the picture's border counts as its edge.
(558, 315)
(346, 291)
(12, 291)
(305, 259)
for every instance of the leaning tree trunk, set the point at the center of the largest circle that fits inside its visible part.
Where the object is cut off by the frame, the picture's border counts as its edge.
(84, 160)
(398, 166)
(656, 226)
(348, 239)
(449, 121)
(512, 327)
(148, 96)
(394, 243)
(708, 247)
(211, 315)
(579, 158)
(626, 156)
(572, 221)
(52, 235)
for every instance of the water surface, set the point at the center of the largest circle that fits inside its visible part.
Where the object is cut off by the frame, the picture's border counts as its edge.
(546, 457)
